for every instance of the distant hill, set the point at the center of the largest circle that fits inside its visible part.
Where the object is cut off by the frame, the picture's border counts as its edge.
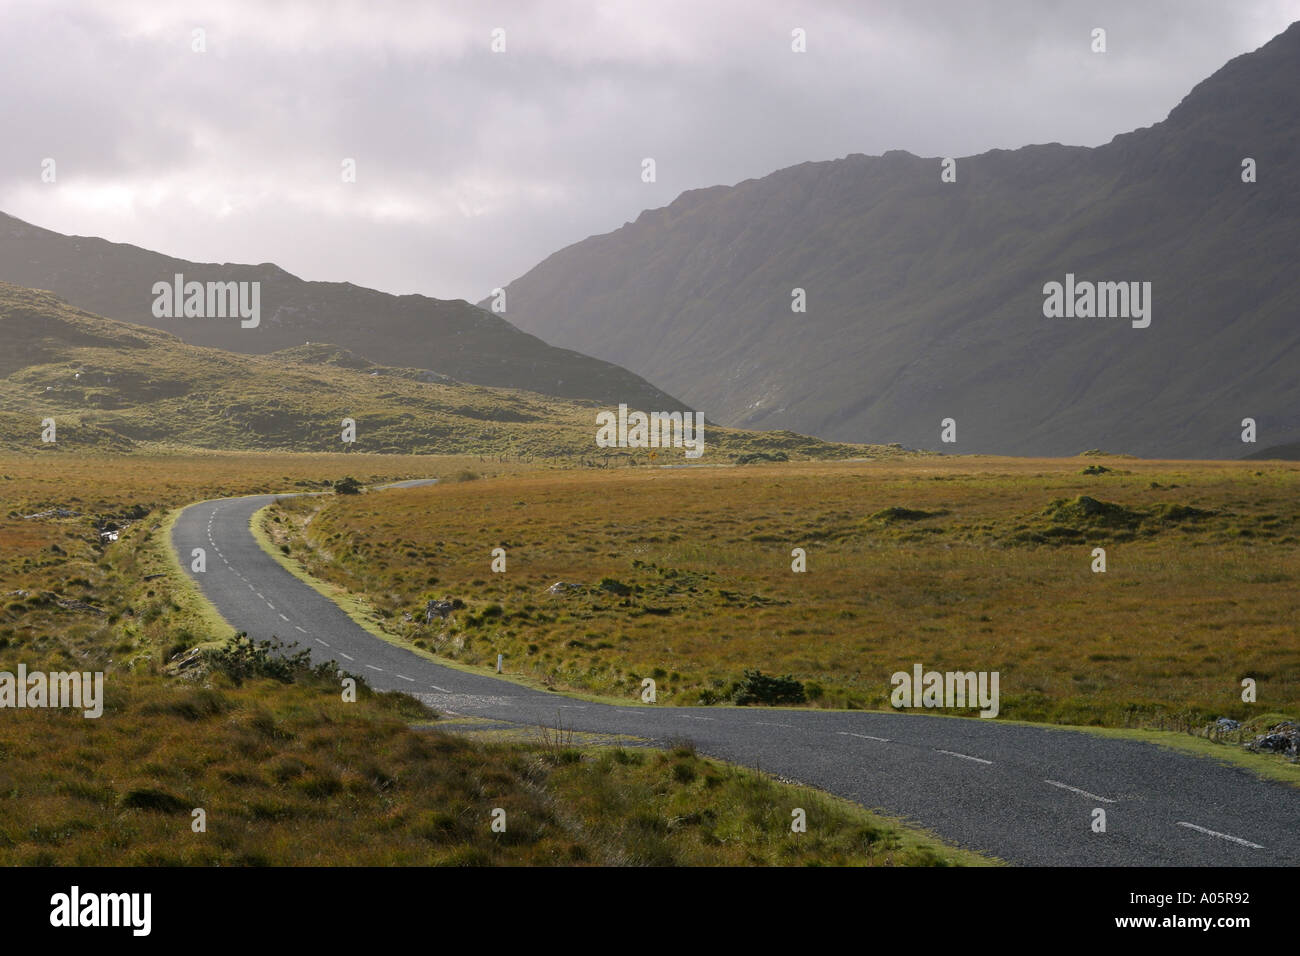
(925, 299)
(115, 387)
(1290, 452)
(453, 338)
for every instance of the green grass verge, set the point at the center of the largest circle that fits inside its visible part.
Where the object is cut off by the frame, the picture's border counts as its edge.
(192, 606)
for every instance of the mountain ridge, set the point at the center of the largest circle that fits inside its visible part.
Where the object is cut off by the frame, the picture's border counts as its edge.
(922, 294)
(450, 337)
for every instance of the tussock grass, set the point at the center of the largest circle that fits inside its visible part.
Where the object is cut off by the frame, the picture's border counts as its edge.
(956, 563)
(286, 773)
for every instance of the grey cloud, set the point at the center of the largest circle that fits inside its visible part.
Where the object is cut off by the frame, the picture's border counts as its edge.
(474, 166)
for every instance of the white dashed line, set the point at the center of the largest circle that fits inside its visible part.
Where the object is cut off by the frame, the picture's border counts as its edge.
(953, 753)
(404, 677)
(883, 740)
(1066, 786)
(283, 618)
(346, 656)
(693, 717)
(439, 689)
(322, 643)
(1221, 836)
(768, 723)
(374, 668)
(296, 626)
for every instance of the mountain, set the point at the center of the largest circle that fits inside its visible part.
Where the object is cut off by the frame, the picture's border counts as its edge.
(453, 338)
(115, 387)
(925, 299)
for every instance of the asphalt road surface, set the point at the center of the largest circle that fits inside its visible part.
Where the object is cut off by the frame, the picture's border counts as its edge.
(1024, 794)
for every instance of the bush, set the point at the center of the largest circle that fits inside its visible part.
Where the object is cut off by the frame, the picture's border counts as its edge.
(242, 658)
(347, 486)
(760, 688)
(760, 456)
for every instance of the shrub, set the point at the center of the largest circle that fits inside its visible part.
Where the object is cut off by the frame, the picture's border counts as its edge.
(760, 688)
(242, 657)
(347, 486)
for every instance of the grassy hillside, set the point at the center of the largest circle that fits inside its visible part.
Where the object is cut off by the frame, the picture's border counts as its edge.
(956, 564)
(924, 298)
(452, 338)
(111, 386)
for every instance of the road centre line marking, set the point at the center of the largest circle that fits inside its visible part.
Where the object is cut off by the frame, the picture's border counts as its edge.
(1066, 786)
(346, 656)
(374, 668)
(1221, 836)
(404, 677)
(953, 753)
(282, 617)
(869, 737)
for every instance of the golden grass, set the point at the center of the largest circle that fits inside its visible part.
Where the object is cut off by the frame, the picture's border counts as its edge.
(992, 577)
(290, 774)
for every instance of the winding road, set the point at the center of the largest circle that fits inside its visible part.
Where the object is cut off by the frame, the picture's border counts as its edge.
(1024, 794)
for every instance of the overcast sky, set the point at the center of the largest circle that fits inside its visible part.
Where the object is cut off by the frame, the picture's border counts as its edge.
(473, 166)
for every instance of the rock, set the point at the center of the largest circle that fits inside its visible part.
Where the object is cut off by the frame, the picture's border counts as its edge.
(1224, 724)
(187, 659)
(71, 605)
(1283, 738)
(441, 608)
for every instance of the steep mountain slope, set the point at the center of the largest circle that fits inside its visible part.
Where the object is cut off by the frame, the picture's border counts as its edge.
(453, 338)
(110, 386)
(925, 299)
